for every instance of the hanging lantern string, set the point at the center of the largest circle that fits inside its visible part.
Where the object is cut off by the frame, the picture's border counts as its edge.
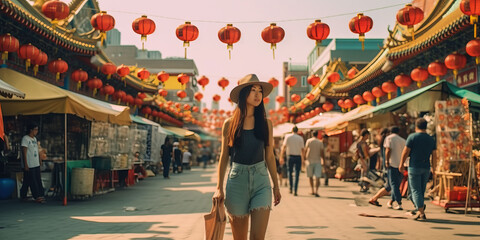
(261, 21)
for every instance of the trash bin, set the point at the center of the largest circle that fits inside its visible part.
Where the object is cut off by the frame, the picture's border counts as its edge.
(82, 181)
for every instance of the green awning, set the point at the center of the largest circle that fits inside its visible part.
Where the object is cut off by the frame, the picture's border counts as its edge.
(400, 101)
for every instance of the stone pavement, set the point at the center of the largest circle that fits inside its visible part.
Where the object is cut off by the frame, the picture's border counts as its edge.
(156, 208)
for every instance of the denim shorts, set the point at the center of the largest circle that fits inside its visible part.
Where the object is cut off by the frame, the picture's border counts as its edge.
(248, 188)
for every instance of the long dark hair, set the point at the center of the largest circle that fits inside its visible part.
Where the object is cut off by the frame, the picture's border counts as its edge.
(260, 129)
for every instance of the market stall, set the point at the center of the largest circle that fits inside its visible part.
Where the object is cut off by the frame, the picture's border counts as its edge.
(63, 117)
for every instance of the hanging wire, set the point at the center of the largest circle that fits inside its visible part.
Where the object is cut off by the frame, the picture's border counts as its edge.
(260, 21)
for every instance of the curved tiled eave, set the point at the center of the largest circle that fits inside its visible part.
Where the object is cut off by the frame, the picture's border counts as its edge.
(444, 29)
(61, 39)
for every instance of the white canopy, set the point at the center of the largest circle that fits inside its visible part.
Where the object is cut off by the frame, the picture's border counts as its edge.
(282, 129)
(318, 122)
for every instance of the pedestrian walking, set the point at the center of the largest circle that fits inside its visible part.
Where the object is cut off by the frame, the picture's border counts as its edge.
(363, 156)
(327, 161)
(315, 155)
(293, 147)
(248, 134)
(394, 145)
(177, 158)
(166, 153)
(419, 147)
(31, 163)
(186, 159)
(205, 155)
(385, 190)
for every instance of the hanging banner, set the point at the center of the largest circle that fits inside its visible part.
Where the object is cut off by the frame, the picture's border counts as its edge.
(467, 78)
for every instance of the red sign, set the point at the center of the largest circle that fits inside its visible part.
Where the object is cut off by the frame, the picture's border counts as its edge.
(467, 78)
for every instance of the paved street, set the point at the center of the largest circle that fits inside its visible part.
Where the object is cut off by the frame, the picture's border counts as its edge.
(174, 209)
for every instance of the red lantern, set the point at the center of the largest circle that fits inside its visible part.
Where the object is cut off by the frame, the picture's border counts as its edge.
(183, 79)
(419, 75)
(138, 102)
(28, 52)
(313, 80)
(123, 71)
(195, 109)
(58, 67)
(358, 99)
(129, 99)
(203, 81)
(472, 9)
(368, 96)
(318, 31)
(389, 87)
(473, 49)
(310, 96)
(266, 100)
(280, 99)
(108, 69)
(271, 112)
(333, 77)
(378, 93)
(163, 76)
(141, 95)
(143, 74)
(41, 60)
(186, 107)
(55, 10)
(360, 25)
(187, 33)
(108, 90)
(318, 110)
(295, 98)
(327, 106)
(273, 81)
(455, 61)
(273, 34)
(402, 81)
(348, 103)
(79, 76)
(119, 95)
(198, 96)
(102, 22)
(205, 110)
(8, 43)
(291, 81)
(181, 94)
(146, 110)
(177, 106)
(162, 92)
(352, 72)
(341, 104)
(437, 69)
(143, 26)
(229, 35)
(216, 98)
(223, 83)
(94, 84)
(409, 16)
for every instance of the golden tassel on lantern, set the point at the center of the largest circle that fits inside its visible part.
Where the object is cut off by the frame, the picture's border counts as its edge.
(378, 100)
(79, 85)
(5, 55)
(273, 46)
(144, 39)
(361, 38)
(35, 70)
(229, 48)
(419, 84)
(389, 95)
(94, 92)
(186, 44)
(474, 20)
(106, 97)
(27, 64)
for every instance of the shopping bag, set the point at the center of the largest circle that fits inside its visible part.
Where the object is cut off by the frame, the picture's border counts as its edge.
(215, 221)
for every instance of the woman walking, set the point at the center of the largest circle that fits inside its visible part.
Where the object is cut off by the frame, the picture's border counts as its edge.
(248, 136)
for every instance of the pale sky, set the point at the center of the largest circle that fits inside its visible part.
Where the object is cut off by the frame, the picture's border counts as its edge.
(251, 54)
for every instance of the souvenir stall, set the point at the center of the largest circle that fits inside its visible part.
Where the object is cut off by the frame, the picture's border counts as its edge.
(456, 182)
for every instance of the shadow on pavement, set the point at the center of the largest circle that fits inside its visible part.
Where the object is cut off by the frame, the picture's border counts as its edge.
(386, 233)
(467, 235)
(307, 227)
(364, 227)
(322, 239)
(446, 221)
(341, 198)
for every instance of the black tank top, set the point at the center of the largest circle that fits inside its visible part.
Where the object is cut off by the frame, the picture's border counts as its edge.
(250, 150)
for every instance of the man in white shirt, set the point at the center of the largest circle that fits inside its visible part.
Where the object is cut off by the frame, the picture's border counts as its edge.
(186, 159)
(293, 146)
(394, 145)
(31, 166)
(315, 154)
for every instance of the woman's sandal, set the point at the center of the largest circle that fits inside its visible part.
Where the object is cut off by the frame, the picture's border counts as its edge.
(375, 203)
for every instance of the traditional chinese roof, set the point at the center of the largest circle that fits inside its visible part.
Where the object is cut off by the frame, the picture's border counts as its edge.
(28, 16)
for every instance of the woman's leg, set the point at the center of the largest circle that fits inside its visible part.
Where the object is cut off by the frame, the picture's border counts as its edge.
(258, 225)
(239, 227)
